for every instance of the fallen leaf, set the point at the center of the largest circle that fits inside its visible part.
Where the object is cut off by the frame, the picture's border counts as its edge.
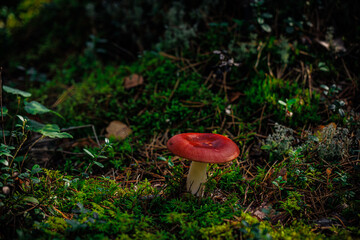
(233, 96)
(263, 211)
(118, 130)
(133, 81)
(259, 214)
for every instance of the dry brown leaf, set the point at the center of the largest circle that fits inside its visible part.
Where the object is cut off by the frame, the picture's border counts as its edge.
(259, 214)
(118, 130)
(133, 81)
(263, 211)
(233, 96)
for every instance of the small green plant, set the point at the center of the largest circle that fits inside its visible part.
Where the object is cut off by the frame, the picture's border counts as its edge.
(288, 105)
(96, 156)
(16, 181)
(279, 182)
(268, 93)
(293, 203)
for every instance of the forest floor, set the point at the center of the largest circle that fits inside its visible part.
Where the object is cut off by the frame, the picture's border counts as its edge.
(84, 142)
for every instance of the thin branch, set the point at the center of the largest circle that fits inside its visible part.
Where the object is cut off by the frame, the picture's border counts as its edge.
(37, 140)
(84, 126)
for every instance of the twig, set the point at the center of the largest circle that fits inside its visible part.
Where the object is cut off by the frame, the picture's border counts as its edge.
(55, 150)
(309, 80)
(225, 86)
(174, 89)
(37, 140)
(62, 214)
(84, 126)
(17, 150)
(259, 49)
(261, 117)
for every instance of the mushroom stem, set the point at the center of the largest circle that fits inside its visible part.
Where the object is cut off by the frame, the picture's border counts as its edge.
(196, 178)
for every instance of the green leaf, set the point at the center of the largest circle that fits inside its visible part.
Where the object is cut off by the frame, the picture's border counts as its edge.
(162, 158)
(266, 147)
(66, 180)
(89, 153)
(282, 103)
(275, 183)
(266, 27)
(21, 118)
(99, 164)
(56, 134)
(6, 154)
(322, 66)
(35, 108)
(35, 126)
(267, 15)
(4, 146)
(31, 199)
(48, 130)
(291, 102)
(4, 161)
(35, 180)
(324, 87)
(5, 176)
(341, 112)
(24, 175)
(35, 169)
(260, 20)
(16, 91)
(171, 164)
(5, 150)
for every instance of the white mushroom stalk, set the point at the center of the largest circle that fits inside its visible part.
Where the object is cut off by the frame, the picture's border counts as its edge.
(197, 178)
(202, 149)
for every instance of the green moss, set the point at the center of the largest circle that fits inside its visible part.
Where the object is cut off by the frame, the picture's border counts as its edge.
(139, 212)
(267, 91)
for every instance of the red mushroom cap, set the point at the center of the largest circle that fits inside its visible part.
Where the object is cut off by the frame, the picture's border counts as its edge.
(203, 147)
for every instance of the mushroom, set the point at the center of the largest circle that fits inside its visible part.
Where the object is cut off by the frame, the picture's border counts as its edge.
(201, 149)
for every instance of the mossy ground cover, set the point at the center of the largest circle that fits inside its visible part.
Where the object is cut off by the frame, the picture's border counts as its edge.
(289, 102)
